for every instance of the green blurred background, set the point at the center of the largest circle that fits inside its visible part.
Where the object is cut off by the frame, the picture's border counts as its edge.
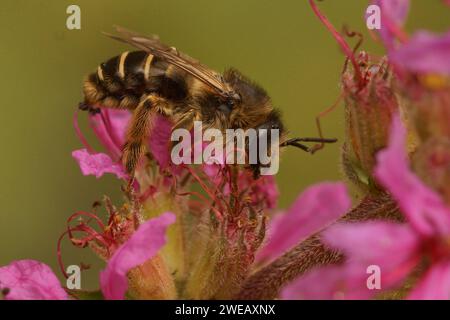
(281, 44)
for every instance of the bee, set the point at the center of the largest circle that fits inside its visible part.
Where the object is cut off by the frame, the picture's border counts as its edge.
(158, 79)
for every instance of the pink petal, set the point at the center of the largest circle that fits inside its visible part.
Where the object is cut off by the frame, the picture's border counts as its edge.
(160, 141)
(316, 208)
(423, 207)
(265, 190)
(393, 16)
(425, 52)
(30, 280)
(330, 282)
(110, 128)
(435, 285)
(142, 246)
(97, 164)
(213, 167)
(394, 247)
(384, 239)
(212, 170)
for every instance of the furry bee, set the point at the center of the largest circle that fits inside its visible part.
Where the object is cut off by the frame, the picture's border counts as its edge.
(160, 79)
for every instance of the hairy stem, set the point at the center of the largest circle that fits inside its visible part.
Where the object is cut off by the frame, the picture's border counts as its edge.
(267, 281)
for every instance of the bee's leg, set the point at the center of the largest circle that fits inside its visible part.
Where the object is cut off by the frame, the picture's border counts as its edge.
(186, 122)
(109, 93)
(93, 93)
(139, 129)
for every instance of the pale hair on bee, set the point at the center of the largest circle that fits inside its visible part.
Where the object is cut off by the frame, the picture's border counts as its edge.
(158, 79)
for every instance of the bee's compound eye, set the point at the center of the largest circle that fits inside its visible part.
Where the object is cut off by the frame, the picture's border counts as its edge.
(230, 103)
(226, 108)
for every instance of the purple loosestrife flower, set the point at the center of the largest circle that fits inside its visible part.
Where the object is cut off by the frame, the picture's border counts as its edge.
(30, 280)
(110, 128)
(395, 248)
(33, 280)
(422, 81)
(424, 53)
(370, 102)
(142, 245)
(208, 231)
(220, 208)
(317, 207)
(97, 164)
(234, 199)
(393, 17)
(133, 263)
(229, 224)
(130, 245)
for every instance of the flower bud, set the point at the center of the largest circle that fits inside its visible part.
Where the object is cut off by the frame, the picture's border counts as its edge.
(368, 109)
(160, 198)
(427, 102)
(224, 260)
(151, 281)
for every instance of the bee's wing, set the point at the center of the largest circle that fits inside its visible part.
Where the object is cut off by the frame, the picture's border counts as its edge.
(173, 56)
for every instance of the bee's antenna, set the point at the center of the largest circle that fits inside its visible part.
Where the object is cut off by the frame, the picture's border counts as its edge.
(295, 142)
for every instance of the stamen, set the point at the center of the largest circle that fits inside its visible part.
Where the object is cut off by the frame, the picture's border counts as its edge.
(149, 192)
(88, 214)
(207, 190)
(92, 234)
(340, 40)
(80, 134)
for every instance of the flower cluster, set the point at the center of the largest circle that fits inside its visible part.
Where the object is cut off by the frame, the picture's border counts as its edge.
(413, 255)
(222, 211)
(212, 231)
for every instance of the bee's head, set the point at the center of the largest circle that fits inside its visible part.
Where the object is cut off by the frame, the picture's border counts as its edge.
(272, 121)
(253, 107)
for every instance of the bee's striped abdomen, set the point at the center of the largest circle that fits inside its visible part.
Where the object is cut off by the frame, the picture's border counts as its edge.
(121, 81)
(124, 72)
(126, 64)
